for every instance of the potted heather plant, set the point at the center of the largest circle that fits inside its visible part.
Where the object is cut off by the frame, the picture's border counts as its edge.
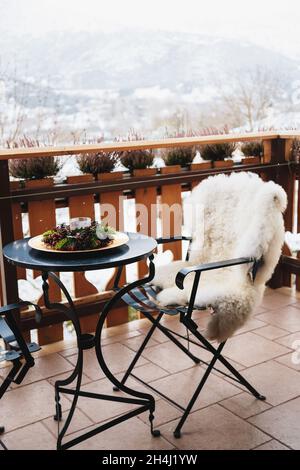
(253, 152)
(182, 156)
(30, 169)
(205, 164)
(176, 158)
(33, 172)
(219, 154)
(295, 150)
(137, 161)
(97, 163)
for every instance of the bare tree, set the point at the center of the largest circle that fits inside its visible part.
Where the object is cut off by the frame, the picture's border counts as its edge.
(14, 98)
(179, 121)
(17, 114)
(250, 96)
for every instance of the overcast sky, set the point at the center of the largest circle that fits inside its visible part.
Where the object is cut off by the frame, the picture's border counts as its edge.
(273, 23)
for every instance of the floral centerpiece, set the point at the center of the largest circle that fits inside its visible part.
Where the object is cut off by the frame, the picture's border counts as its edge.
(79, 236)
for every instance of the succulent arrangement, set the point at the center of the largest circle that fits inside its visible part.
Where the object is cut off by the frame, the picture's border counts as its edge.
(34, 168)
(252, 149)
(94, 163)
(218, 152)
(62, 238)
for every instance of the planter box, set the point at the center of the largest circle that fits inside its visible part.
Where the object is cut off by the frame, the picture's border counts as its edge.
(145, 172)
(77, 179)
(251, 160)
(43, 183)
(113, 176)
(14, 185)
(165, 170)
(223, 164)
(201, 165)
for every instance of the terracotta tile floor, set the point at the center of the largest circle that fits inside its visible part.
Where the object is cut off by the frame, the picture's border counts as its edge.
(224, 416)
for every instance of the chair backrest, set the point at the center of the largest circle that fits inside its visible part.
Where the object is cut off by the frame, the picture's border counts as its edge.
(12, 335)
(238, 215)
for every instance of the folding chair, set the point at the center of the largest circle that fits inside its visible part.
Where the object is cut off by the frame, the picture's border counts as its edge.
(18, 352)
(255, 256)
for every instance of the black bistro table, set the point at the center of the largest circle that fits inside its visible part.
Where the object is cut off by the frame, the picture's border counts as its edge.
(137, 248)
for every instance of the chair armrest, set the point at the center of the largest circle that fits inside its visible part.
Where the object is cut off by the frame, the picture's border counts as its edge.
(208, 267)
(176, 238)
(22, 303)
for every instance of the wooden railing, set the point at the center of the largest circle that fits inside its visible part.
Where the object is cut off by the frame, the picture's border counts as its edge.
(40, 199)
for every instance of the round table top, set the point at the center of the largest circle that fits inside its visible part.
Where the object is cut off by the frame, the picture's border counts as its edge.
(137, 248)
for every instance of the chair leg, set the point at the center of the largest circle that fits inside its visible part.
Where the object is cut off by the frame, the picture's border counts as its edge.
(227, 364)
(173, 339)
(177, 432)
(1, 443)
(4, 386)
(241, 379)
(155, 324)
(10, 377)
(140, 350)
(143, 303)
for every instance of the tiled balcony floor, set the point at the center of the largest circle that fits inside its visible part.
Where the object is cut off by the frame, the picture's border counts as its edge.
(224, 417)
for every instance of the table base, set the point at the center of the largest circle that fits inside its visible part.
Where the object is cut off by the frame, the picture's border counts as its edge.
(144, 401)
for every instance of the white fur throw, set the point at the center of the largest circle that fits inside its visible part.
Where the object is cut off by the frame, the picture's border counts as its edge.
(241, 217)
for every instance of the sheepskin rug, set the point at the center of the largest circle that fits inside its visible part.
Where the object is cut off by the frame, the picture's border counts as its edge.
(240, 216)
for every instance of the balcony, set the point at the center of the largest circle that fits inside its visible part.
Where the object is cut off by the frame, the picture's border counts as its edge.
(225, 417)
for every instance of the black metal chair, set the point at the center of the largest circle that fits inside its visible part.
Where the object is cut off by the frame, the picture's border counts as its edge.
(143, 298)
(241, 220)
(18, 352)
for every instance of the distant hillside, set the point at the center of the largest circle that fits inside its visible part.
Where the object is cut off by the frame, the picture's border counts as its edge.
(131, 60)
(72, 84)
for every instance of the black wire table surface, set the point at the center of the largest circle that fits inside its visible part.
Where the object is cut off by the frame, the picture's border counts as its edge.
(138, 247)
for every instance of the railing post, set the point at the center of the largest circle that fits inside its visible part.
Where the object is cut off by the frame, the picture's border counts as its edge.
(114, 199)
(279, 150)
(146, 197)
(298, 224)
(83, 206)
(9, 285)
(171, 224)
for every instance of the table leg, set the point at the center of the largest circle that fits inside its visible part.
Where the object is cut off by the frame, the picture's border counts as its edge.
(1, 443)
(144, 401)
(70, 313)
(104, 314)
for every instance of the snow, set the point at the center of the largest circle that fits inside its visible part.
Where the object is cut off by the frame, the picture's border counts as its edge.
(156, 93)
(280, 119)
(69, 168)
(293, 241)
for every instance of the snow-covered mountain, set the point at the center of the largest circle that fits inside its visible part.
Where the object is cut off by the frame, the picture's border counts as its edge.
(106, 83)
(130, 60)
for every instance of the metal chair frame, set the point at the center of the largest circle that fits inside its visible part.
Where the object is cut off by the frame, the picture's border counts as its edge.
(18, 349)
(143, 300)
